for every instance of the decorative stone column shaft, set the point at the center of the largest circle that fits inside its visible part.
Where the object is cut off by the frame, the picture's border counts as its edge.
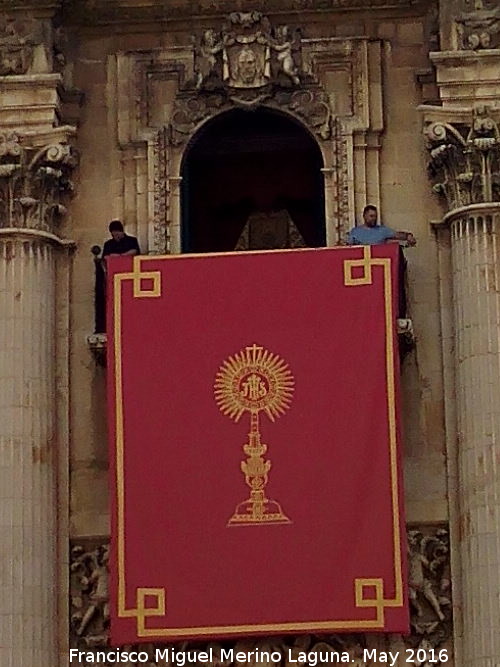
(465, 159)
(476, 285)
(34, 181)
(27, 452)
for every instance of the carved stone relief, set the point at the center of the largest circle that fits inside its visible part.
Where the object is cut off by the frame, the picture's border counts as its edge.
(18, 38)
(324, 83)
(248, 63)
(479, 26)
(248, 54)
(35, 183)
(465, 158)
(311, 105)
(430, 602)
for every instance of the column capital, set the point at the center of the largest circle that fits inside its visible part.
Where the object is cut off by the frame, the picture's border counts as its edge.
(464, 149)
(35, 179)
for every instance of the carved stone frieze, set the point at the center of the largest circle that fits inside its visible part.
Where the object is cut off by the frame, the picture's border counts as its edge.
(18, 38)
(35, 183)
(465, 158)
(479, 27)
(430, 604)
(310, 104)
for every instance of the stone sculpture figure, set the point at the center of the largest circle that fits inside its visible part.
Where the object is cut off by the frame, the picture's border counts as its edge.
(207, 61)
(284, 46)
(99, 596)
(420, 585)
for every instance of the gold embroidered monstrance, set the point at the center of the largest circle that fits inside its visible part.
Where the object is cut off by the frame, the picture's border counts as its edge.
(255, 380)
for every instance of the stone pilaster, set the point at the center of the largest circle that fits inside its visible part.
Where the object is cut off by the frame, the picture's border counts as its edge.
(464, 145)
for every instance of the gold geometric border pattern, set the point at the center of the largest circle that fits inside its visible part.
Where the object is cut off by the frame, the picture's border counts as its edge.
(151, 602)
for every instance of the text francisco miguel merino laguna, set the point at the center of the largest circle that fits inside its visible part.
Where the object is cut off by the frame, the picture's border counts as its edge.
(220, 655)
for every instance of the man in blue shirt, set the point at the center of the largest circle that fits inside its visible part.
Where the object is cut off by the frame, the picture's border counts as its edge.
(370, 233)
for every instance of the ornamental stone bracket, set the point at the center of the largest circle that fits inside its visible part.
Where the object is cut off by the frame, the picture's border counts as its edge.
(429, 592)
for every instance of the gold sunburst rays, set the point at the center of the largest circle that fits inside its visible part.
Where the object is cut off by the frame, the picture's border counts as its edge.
(254, 379)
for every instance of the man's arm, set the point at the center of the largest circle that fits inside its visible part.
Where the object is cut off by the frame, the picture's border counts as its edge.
(351, 240)
(406, 236)
(134, 247)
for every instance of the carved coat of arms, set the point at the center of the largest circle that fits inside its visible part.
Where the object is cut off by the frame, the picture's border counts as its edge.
(248, 54)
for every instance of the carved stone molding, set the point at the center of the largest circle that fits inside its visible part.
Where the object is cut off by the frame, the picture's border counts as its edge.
(95, 12)
(430, 600)
(465, 158)
(35, 182)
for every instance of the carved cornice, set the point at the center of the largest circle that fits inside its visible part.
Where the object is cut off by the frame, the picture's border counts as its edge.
(465, 158)
(429, 592)
(98, 12)
(33, 7)
(35, 180)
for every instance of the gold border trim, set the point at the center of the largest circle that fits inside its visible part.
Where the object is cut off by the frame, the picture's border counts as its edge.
(141, 612)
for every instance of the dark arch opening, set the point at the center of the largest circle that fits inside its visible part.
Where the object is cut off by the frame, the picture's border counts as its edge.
(252, 166)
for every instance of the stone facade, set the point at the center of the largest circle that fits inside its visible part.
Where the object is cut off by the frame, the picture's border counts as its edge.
(100, 101)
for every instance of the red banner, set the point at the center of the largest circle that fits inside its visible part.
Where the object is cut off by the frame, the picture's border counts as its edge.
(253, 410)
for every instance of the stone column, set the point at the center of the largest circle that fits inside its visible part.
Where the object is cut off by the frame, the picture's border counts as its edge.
(27, 451)
(34, 180)
(465, 161)
(475, 238)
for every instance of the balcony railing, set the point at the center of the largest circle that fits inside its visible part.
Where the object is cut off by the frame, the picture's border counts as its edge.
(98, 340)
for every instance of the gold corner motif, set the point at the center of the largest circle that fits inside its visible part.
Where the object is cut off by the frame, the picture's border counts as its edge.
(255, 380)
(365, 263)
(140, 278)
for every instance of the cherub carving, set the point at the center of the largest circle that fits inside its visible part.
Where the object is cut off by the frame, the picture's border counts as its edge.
(426, 555)
(207, 61)
(99, 596)
(284, 45)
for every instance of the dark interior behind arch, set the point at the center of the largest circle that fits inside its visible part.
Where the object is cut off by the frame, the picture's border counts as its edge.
(245, 161)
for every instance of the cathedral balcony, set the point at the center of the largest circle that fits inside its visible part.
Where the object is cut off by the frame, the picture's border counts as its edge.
(97, 341)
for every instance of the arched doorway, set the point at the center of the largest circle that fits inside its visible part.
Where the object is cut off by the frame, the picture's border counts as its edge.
(252, 179)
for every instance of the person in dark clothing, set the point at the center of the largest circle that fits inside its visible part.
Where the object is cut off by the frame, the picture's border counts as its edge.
(120, 243)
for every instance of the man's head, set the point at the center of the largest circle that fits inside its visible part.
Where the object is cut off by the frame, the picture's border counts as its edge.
(370, 215)
(116, 230)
